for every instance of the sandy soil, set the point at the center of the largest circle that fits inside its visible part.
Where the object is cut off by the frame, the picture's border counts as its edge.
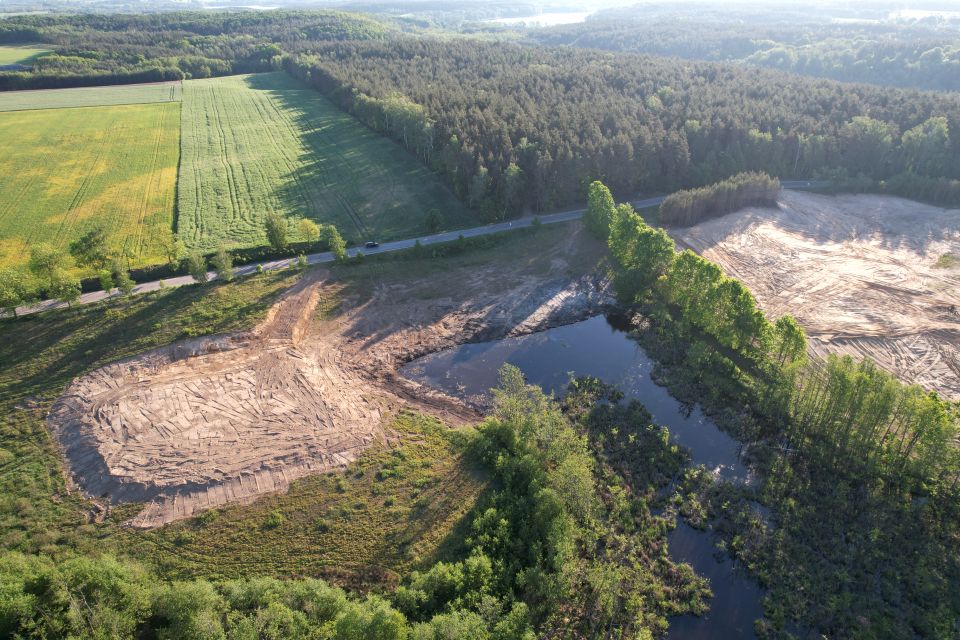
(225, 419)
(856, 271)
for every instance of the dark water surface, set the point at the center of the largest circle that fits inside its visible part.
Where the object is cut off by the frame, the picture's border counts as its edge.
(595, 347)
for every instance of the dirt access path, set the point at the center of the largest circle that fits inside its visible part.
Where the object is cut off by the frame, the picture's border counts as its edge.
(225, 419)
(858, 272)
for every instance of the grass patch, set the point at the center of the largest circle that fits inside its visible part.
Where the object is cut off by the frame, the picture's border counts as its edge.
(947, 261)
(392, 510)
(20, 55)
(75, 169)
(438, 270)
(260, 143)
(37, 513)
(90, 96)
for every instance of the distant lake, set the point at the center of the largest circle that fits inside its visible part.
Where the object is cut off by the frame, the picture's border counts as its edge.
(920, 14)
(544, 19)
(255, 7)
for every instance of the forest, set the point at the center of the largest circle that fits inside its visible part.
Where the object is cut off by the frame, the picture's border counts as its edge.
(512, 127)
(94, 49)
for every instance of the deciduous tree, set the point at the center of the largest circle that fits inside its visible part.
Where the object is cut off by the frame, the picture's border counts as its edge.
(90, 250)
(308, 230)
(338, 247)
(196, 266)
(276, 228)
(15, 290)
(222, 263)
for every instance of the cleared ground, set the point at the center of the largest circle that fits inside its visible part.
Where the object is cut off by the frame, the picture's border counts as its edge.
(90, 96)
(74, 169)
(864, 275)
(259, 143)
(20, 54)
(208, 422)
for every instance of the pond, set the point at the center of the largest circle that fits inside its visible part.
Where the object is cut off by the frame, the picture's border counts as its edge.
(598, 347)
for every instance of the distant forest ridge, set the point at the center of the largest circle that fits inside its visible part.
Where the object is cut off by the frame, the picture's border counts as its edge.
(917, 56)
(513, 127)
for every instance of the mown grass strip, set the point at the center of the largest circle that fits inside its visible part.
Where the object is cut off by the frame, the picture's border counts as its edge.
(90, 96)
(20, 54)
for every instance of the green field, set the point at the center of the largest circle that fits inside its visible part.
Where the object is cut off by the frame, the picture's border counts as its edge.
(90, 96)
(260, 143)
(74, 169)
(20, 55)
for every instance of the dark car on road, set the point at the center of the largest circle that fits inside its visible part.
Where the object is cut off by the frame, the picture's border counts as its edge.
(372, 244)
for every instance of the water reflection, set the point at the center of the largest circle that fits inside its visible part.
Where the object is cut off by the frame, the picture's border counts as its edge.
(598, 348)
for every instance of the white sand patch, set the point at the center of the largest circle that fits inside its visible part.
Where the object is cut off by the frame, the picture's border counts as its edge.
(856, 271)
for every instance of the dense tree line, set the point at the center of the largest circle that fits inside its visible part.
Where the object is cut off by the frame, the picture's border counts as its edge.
(838, 439)
(855, 417)
(513, 127)
(119, 49)
(894, 55)
(688, 207)
(107, 598)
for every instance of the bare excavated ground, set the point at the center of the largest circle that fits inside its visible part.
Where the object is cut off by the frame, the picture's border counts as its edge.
(224, 419)
(858, 272)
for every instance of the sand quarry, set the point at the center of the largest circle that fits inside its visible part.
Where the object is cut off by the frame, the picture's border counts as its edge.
(225, 419)
(857, 271)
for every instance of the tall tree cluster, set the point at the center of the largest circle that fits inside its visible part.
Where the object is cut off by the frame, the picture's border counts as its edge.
(688, 207)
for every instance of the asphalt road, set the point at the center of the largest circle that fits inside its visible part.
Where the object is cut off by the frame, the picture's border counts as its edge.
(398, 245)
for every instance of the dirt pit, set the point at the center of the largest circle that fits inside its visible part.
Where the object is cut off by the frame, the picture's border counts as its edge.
(207, 422)
(859, 272)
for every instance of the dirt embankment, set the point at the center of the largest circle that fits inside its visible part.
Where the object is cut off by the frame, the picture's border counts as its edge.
(225, 419)
(860, 273)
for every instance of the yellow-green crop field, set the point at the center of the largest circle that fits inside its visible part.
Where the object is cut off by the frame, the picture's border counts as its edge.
(66, 171)
(222, 153)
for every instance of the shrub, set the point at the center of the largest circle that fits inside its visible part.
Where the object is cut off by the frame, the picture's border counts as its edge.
(196, 266)
(223, 264)
(273, 520)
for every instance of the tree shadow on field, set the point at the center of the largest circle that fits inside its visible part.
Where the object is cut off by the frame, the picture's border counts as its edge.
(365, 184)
